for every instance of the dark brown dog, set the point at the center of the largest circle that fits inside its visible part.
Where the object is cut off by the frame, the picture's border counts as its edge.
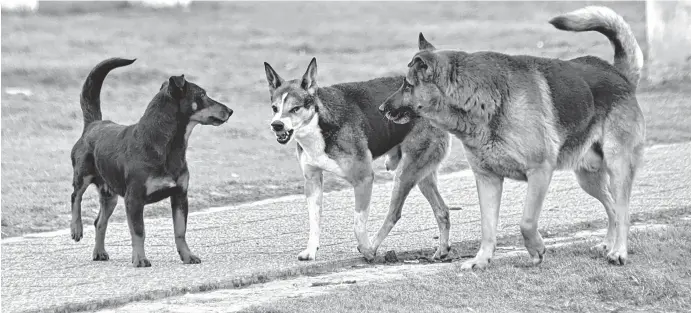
(144, 162)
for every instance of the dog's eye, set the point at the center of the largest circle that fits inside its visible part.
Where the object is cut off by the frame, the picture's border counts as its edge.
(407, 85)
(274, 108)
(295, 109)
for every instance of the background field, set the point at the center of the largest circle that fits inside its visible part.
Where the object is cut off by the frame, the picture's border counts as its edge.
(221, 46)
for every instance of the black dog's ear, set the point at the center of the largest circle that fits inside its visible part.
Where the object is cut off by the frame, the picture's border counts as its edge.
(424, 45)
(309, 80)
(177, 86)
(272, 77)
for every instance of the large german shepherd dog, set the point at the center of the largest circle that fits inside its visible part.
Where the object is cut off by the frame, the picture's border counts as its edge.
(523, 117)
(339, 129)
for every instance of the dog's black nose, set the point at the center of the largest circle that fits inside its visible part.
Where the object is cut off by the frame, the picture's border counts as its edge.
(277, 126)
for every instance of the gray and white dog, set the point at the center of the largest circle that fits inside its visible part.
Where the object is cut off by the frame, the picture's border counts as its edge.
(339, 129)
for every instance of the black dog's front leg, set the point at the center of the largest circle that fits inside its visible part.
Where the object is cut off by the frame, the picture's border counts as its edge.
(179, 205)
(134, 205)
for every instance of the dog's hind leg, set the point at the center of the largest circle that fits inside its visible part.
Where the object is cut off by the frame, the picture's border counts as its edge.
(108, 200)
(180, 207)
(621, 169)
(404, 181)
(80, 183)
(428, 187)
(416, 161)
(134, 206)
(362, 178)
(595, 183)
(538, 184)
(622, 149)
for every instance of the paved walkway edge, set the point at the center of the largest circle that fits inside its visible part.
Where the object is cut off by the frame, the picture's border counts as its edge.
(331, 266)
(237, 281)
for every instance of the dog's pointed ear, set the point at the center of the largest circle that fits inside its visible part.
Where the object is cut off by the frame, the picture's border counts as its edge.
(423, 65)
(422, 60)
(424, 45)
(177, 86)
(272, 77)
(309, 80)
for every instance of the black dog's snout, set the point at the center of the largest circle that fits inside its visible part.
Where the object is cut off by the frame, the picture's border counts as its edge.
(230, 112)
(277, 126)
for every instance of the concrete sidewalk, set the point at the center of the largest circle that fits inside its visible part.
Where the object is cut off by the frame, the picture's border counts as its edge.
(259, 241)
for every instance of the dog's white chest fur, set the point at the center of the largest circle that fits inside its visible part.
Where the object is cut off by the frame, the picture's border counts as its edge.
(154, 184)
(158, 183)
(312, 142)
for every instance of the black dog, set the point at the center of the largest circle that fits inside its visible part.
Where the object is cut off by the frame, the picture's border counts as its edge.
(144, 162)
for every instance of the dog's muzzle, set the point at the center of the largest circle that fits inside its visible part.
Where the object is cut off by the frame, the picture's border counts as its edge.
(221, 117)
(282, 135)
(399, 116)
(393, 109)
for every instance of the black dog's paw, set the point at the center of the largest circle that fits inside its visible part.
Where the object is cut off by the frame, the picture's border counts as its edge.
(191, 259)
(77, 231)
(101, 255)
(141, 262)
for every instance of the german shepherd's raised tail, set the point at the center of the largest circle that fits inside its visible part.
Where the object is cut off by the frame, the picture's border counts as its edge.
(523, 117)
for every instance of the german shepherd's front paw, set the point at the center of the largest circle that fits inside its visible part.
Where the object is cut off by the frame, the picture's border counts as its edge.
(537, 255)
(477, 263)
(618, 257)
(77, 230)
(140, 262)
(308, 255)
(367, 253)
(101, 255)
(191, 259)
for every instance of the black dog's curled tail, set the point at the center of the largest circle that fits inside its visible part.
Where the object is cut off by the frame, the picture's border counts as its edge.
(90, 98)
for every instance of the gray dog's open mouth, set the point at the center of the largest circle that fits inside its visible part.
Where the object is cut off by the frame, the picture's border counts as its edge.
(400, 116)
(284, 136)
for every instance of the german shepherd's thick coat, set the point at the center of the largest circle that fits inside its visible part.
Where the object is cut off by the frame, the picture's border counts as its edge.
(339, 129)
(523, 117)
(144, 162)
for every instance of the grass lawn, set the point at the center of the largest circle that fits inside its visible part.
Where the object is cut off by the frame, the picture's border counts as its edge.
(221, 46)
(572, 279)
